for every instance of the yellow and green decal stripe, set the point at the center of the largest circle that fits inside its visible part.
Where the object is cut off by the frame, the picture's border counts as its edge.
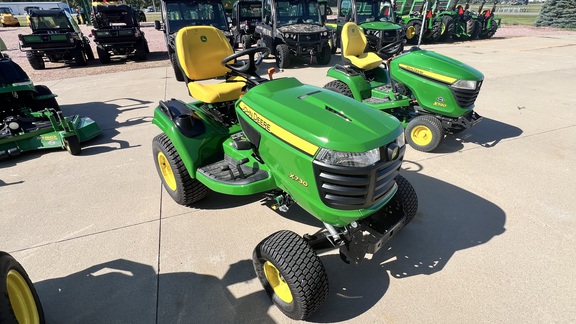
(278, 131)
(428, 74)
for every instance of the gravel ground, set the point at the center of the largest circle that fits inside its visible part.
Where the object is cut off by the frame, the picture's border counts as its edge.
(158, 56)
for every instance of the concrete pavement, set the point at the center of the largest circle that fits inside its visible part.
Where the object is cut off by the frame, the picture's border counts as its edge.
(493, 240)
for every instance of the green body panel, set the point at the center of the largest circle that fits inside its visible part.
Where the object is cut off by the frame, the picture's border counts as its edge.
(296, 107)
(379, 25)
(199, 150)
(426, 91)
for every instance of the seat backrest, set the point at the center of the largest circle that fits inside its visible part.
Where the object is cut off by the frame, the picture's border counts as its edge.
(353, 40)
(200, 50)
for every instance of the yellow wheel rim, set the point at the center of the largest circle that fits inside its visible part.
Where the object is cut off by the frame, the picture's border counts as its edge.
(442, 28)
(421, 135)
(166, 170)
(21, 298)
(277, 282)
(410, 32)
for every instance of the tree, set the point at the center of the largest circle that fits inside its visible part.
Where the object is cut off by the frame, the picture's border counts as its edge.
(557, 13)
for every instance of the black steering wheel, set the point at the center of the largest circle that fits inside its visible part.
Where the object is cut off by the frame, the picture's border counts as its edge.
(243, 68)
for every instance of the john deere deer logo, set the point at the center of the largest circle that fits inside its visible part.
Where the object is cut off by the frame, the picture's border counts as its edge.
(203, 38)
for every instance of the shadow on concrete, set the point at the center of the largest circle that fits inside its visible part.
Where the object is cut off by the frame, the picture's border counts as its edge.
(124, 291)
(6, 184)
(106, 114)
(449, 219)
(487, 134)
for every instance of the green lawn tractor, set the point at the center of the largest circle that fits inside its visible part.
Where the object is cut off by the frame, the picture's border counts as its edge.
(431, 30)
(19, 302)
(378, 20)
(30, 117)
(429, 93)
(470, 25)
(290, 142)
(489, 23)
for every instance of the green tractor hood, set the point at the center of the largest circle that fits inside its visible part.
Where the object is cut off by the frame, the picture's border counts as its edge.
(378, 25)
(433, 66)
(317, 118)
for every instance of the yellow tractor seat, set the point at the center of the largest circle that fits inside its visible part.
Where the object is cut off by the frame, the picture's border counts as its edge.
(200, 51)
(353, 45)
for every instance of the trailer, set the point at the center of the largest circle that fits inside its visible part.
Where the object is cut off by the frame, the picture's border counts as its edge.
(22, 8)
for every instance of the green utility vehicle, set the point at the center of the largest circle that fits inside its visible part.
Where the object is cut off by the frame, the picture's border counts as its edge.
(117, 32)
(246, 14)
(30, 117)
(55, 37)
(412, 21)
(291, 142)
(294, 29)
(181, 13)
(429, 93)
(19, 302)
(378, 20)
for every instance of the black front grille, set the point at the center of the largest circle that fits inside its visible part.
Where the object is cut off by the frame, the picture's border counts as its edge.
(350, 188)
(465, 98)
(305, 38)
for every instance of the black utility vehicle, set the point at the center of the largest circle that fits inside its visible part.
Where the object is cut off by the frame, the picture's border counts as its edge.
(294, 28)
(117, 32)
(56, 38)
(245, 15)
(181, 13)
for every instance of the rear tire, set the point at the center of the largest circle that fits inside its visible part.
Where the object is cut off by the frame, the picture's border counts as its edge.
(39, 105)
(424, 133)
(141, 54)
(177, 72)
(173, 173)
(282, 56)
(19, 302)
(103, 55)
(473, 29)
(449, 26)
(291, 273)
(340, 87)
(72, 145)
(36, 61)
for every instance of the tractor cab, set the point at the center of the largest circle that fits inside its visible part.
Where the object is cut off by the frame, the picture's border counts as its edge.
(53, 20)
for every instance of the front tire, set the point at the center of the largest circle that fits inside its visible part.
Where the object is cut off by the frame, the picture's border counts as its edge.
(324, 57)
(406, 198)
(246, 41)
(72, 145)
(424, 133)
(19, 302)
(174, 175)
(473, 28)
(80, 56)
(291, 273)
(177, 72)
(141, 54)
(282, 56)
(413, 31)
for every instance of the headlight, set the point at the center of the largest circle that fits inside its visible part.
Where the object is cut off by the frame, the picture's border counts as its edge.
(349, 159)
(401, 140)
(324, 34)
(465, 84)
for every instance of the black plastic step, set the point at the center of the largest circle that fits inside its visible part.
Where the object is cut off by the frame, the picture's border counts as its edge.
(232, 171)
